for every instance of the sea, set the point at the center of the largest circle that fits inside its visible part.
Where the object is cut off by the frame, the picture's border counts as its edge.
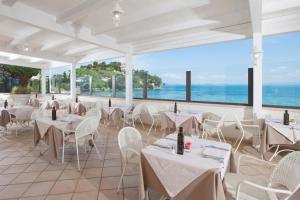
(277, 95)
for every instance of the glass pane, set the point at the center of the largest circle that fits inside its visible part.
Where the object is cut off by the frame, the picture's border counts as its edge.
(281, 70)
(120, 85)
(60, 80)
(138, 83)
(220, 72)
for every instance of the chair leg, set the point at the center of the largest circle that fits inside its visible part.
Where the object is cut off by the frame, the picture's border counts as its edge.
(123, 172)
(77, 152)
(142, 123)
(96, 148)
(239, 143)
(63, 153)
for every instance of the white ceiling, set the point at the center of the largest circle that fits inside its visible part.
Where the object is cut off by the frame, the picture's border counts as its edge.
(59, 32)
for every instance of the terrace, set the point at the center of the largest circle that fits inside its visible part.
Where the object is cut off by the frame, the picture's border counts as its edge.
(84, 53)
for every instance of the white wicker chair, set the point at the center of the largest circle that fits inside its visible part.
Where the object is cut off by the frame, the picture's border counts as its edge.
(284, 180)
(22, 116)
(130, 144)
(83, 134)
(135, 115)
(154, 115)
(213, 126)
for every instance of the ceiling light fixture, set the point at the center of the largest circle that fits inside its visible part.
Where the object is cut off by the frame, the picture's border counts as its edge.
(117, 13)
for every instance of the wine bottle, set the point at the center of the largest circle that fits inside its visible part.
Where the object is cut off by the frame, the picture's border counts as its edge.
(109, 103)
(53, 113)
(180, 141)
(76, 99)
(286, 118)
(175, 108)
(36, 95)
(5, 103)
(52, 97)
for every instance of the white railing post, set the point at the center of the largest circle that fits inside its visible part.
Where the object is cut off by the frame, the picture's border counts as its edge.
(73, 81)
(43, 80)
(128, 79)
(257, 74)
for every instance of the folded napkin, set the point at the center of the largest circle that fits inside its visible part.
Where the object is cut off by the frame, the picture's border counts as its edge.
(214, 152)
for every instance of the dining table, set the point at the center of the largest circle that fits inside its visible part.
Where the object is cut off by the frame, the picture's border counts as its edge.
(276, 133)
(189, 120)
(113, 115)
(51, 131)
(77, 108)
(197, 173)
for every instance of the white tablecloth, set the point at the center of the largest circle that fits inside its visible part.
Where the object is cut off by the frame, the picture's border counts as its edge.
(180, 118)
(64, 122)
(176, 172)
(291, 132)
(109, 110)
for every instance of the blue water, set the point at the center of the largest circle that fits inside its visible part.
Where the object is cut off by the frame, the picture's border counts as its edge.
(281, 95)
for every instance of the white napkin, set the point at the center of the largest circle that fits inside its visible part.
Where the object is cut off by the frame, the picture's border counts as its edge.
(214, 152)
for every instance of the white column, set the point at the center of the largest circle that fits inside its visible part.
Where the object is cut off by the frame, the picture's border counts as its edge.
(73, 81)
(43, 79)
(50, 75)
(128, 79)
(257, 74)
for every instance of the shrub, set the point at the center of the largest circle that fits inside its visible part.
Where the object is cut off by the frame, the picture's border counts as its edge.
(21, 90)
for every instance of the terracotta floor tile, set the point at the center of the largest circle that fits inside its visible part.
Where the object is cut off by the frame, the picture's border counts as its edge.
(108, 183)
(110, 195)
(92, 195)
(26, 177)
(37, 167)
(48, 176)
(7, 178)
(111, 171)
(13, 191)
(131, 193)
(60, 197)
(85, 185)
(15, 169)
(64, 186)
(36, 189)
(91, 173)
(69, 174)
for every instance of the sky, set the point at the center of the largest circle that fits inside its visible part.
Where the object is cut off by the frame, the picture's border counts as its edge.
(225, 63)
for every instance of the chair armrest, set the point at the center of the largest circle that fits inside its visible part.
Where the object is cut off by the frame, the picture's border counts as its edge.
(210, 120)
(253, 158)
(268, 189)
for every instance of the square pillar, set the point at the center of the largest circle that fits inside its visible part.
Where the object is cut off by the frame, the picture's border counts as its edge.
(73, 81)
(43, 81)
(50, 76)
(128, 79)
(257, 74)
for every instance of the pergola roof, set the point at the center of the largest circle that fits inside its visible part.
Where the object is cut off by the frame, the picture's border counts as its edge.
(49, 33)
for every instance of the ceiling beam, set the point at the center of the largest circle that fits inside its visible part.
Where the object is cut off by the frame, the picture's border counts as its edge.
(55, 44)
(38, 54)
(42, 20)
(9, 2)
(79, 11)
(80, 49)
(25, 37)
(159, 9)
(255, 7)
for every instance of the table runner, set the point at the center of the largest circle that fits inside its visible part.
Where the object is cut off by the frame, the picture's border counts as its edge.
(34, 102)
(114, 114)
(278, 134)
(161, 170)
(52, 103)
(187, 120)
(4, 118)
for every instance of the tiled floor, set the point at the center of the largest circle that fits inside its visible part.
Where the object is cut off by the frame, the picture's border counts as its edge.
(24, 174)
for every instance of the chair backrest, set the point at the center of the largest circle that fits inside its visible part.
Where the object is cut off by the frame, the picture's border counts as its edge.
(151, 109)
(4, 118)
(23, 114)
(286, 172)
(221, 122)
(87, 126)
(37, 113)
(129, 137)
(138, 109)
(239, 124)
